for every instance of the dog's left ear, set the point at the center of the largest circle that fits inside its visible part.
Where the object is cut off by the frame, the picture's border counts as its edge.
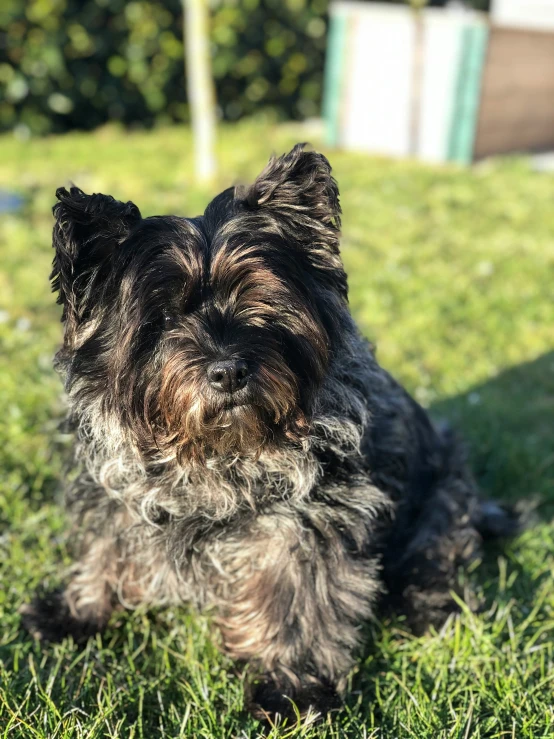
(88, 228)
(299, 187)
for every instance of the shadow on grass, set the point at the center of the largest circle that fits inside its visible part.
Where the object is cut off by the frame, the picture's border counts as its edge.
(508, 425)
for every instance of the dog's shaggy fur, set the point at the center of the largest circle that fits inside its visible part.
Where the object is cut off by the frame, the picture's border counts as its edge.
(291, 502)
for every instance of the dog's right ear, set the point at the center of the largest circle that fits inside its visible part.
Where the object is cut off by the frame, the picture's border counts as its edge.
(88, 229)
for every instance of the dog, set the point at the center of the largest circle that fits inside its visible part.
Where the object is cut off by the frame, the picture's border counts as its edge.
(238, 446)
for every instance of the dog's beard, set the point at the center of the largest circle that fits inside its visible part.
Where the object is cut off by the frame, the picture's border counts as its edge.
(194, 424)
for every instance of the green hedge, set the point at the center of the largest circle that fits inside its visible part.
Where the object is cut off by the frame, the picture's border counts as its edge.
(68, 64)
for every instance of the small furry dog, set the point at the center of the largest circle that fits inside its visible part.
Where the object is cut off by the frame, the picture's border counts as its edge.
(238, 446)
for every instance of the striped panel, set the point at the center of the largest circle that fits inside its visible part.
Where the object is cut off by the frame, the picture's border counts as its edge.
(334, 72)
(442, 39)
(467, 93)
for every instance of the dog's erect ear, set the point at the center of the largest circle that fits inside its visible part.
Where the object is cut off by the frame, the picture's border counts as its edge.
(87, 230)
(299, 187)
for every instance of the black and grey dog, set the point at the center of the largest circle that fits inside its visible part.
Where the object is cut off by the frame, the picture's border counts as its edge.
(239, 447)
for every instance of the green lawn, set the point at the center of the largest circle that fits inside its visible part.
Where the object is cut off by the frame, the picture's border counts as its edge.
(451, 274)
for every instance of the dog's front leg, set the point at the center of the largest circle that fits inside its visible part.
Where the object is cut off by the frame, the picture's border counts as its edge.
(292, 604)
(115, 563)
(83, 607)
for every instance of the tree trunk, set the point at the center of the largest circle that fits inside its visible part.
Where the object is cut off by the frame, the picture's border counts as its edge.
(200, 87)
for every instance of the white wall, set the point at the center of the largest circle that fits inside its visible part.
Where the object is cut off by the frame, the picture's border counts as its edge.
(379, 72)
(535, 14)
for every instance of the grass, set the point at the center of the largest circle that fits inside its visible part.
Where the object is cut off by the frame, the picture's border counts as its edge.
(451, 273)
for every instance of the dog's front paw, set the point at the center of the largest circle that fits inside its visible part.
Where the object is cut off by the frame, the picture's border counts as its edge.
(312, 699)
(48, 618)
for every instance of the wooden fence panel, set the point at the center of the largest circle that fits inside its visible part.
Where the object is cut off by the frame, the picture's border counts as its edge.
(517, 94)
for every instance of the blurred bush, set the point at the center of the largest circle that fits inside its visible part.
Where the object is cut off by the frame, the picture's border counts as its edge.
(68, 64)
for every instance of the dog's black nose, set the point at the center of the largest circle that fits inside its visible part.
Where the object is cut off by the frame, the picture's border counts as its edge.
(228, 375)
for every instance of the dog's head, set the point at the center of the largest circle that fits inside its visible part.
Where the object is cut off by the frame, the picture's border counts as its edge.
(210, 335)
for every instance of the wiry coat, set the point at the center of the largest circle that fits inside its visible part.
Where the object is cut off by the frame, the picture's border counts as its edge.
(292, 508)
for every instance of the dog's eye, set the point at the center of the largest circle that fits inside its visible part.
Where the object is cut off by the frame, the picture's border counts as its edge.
(169, 321)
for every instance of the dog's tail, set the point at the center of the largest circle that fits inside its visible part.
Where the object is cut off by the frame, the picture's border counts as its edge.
(492, 519)
(498, 520)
